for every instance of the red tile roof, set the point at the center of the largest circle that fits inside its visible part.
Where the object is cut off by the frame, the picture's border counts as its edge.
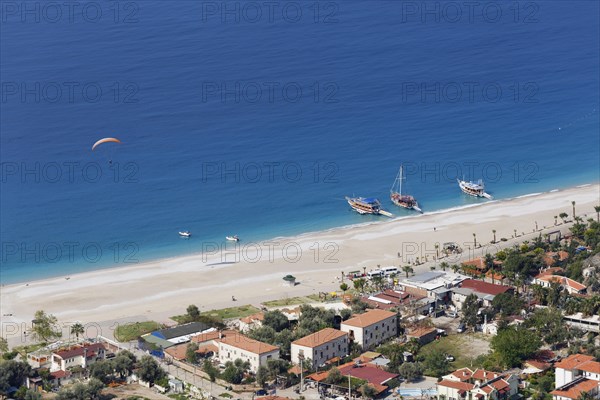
(242, 342)
(464, 374)
(79, 350)
(573, 361)
(563, 280)
(369, 318)
(590, 366)
(483, 375)
(367, 372)
(484, 287)
(420, 332)
(456, 385)
(60, 374)
(319, 338)
(575, 390)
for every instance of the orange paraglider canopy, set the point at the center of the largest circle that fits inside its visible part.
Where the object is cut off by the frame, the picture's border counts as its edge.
(105, 140)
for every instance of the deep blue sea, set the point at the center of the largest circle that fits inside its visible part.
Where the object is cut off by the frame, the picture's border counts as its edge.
(257, 118)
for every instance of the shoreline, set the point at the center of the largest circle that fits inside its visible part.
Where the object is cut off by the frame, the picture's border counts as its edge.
(162, 288)
(300, 236)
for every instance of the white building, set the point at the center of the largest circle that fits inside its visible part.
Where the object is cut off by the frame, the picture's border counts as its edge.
(436, 285)
(371, 328)
(320, 347)
(81, 356)
(235, 345)
(477, 385)
(576, 374)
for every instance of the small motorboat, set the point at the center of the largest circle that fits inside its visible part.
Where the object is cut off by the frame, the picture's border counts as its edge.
(233, 238)
(185, 234)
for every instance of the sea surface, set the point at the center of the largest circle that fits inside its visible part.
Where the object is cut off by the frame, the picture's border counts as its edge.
(258, 118)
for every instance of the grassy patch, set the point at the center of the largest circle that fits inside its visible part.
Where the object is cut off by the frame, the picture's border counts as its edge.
(289, 301)
(232, 312)
(226, 395)
(30, 348)
(127, 332)
(464, 347)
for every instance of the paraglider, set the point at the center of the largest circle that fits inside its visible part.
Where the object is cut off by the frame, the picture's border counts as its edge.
(105, 140)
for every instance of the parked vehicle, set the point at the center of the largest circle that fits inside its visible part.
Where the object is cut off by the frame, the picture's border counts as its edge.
(461, 328)
(449, 357)
(387, 271)
(374, 273)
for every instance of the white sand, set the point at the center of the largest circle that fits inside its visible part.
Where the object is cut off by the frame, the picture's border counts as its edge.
(163, 288)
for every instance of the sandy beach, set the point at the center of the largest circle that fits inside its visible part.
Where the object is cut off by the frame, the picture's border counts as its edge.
(253, 272)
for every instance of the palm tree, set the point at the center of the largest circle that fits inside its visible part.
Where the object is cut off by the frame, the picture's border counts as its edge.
(407, 270)
(515, 232)
(555, 220)
(474, 240)
(597, 208)
(573, 204)
(455, 268)
(77, 329)
(437, 251)
(563, 216)
(494, 232)
(444, 265)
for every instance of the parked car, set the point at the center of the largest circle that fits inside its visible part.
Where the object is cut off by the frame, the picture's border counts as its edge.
(461, 327)
(449, 357)
(261, 392)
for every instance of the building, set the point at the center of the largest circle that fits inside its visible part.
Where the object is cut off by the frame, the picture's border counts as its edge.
(545, 280)
(435, 285)
(477, 385)
(371, 328)
(575, 366)
(182, 333)
(235, 345)
(390, 298)
(423, 334)
(80, 355)
(589, 324)
(320, 347)
(485, 292)
(251, 322)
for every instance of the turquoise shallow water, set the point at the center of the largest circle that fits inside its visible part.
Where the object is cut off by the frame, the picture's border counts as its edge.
(259, 126)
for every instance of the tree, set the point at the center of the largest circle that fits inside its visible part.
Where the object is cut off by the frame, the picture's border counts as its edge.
(79, 391)
(507, 304)
(31, 394)
(344, 287)
(410, 371)
(102, 370)
(210, 370)
(513, 345)
(232, 374)
(597, 208)
(190, 353)
(13, 373)
(474, 240)
(470, 308)
(262, 374)
(359, 284)
(548, 322)
(276, 320)
(435, 363)
(44, 327)
(334, 376)
(77, 329)
(573, 204)
(3, 345)
(494, 232)
(124, 363)
(444, 265)
(563, 216)
(407, 269)
(193, 312)
(149, 370)
(345, 314)
(368, 391)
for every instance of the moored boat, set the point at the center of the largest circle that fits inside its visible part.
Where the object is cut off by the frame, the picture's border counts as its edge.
(399, 199)
(233, 238)
(185, 234)
(367, 205)
(475, 189)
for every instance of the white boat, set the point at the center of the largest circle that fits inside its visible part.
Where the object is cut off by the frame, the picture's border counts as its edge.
(368, 205)
(402, 200)
(233, 238)
(185, 234)
(475, 189)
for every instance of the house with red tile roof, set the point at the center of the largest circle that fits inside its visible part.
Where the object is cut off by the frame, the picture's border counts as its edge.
(479, 384)
(486, 292)
(234, 345)
(79, 355)
(571, 286)
(371, 328)
(320, 347)
(552, 258)
(251, 322)
(576, 366)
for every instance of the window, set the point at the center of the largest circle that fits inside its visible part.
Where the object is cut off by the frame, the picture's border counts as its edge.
(371, 335)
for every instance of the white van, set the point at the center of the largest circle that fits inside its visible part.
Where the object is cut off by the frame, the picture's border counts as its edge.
(374, 273)
(387, 271)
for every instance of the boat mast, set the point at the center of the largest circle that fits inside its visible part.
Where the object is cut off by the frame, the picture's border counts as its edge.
(401, 178)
